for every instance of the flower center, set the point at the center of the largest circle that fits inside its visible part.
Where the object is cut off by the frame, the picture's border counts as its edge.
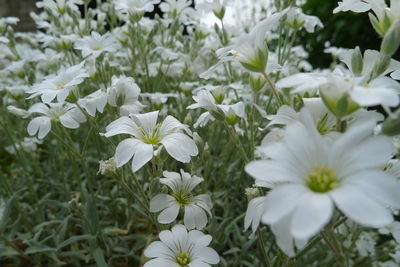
(183, 258)
(61, 85)
(183, 197)
(96, 48)
(152, 137)
(322, 179)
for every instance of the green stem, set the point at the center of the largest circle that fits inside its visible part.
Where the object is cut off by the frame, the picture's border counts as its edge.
(235, 138)
(273, 88)
(261, 242)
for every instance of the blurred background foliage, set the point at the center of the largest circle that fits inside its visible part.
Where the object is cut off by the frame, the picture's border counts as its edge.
(344, 29)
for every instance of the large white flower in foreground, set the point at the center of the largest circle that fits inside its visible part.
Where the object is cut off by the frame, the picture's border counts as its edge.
(95, 44)
(195, 207)
(148, 135)
(309, 176)
(67, 114)
(180, 248)
(60, 85)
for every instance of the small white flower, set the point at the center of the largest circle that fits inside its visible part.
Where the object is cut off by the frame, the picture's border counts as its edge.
(308, 176)
(147, 136)
(365, 244)
(254, 212)
(205, 99)
(358, 6)
(94, 102)
(180, 248)
(67, 114)
(124, 93)
(297, 19)
(107, 166)
(95, 44)
(135, 6)
(393, 229)
(195, 207)
(60, 85)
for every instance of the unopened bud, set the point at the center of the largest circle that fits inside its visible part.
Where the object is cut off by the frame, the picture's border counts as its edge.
(391, 41)
(356, 61)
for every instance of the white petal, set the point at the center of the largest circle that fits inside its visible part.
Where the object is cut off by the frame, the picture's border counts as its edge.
(44, 128)
(189, 218)
(125, 151)
(170, 124)
(283, 237)
(312, 213)
(208, 255)
(268, 171)
(198, 263)
(380, 185)
(143, 154)
(123, 125)
(160, 262)
(254, 212)
(169, 214)
(282, 200)
(147, 121)
(180, 146)
(160, 202)
(158, 249)
(200, 217)
(68, 122)
(361, 208)
(34, 125)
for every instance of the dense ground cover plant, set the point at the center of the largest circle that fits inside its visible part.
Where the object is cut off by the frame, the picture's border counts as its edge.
(129, 141)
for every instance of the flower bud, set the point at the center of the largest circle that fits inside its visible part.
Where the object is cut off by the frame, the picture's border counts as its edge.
(391, 41)
(356, 61)
(391, 126)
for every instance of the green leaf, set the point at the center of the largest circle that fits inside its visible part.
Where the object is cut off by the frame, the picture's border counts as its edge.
(75, 239)
(99, 258)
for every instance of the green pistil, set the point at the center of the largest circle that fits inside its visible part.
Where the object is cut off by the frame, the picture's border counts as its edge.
(61, 85)
(322, 180)
(183, 197)
(153, 137)
(183, 258)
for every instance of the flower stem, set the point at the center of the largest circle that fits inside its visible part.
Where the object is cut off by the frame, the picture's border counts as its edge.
(261, 242)
(334, 245)
(273, 88)
(235, 138)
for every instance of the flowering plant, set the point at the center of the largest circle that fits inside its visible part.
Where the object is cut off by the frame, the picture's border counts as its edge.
(226, 126)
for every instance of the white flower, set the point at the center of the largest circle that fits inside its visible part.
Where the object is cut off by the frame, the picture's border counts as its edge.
(250, 49)
(323, 120)
(195, 207)
(135, 6)
(95, 44)
(254, 212)
(108, 166)
(60, 85)
(297, 19)
(67, 114)
(124, 93)
(179, 248)
(94, 102)
(393, 229)
(175, 7)
(59, 6)
(357, 6)
(147, 135)
(307, 176)
(205, 99)
(365, 244)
